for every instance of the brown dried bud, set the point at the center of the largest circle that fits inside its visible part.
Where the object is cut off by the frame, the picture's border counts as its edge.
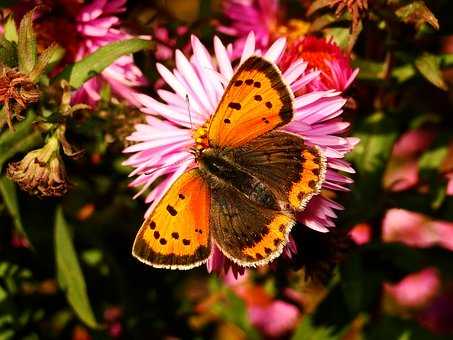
(122, 124)
(17, 91)
(355, 7)
(41, 172)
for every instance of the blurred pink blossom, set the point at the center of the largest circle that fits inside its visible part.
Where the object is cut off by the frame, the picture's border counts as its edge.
(413, 142)
(361, 233)
(275, 319)
(415, 290)
(416, 230)
(258, 16)
(166, 42)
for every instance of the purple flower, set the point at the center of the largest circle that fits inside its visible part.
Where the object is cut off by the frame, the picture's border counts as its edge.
(163, 145)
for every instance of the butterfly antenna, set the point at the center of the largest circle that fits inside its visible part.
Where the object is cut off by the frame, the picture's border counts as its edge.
(188, 110)
(164, 166)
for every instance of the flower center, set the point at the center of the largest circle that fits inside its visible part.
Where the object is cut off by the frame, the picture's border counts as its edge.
(200, 136)
(292, 30)
(317, 60)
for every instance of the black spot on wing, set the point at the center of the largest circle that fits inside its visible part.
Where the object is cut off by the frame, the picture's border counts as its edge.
(235, 106)
(171, 210)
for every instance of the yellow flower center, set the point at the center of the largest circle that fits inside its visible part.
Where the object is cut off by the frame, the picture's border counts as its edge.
(292, 30)
(200, 135)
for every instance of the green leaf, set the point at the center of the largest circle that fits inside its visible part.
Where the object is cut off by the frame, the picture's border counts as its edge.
(8, 191)
(428, 66)
(27, 50)
(23, 139)
(90, 66)
(307, 331)
(417, 13)
(10, 30)
(369, 70)
(50, 54)
(432, 159)
(69, 273)
(8, 53)
(377, 134)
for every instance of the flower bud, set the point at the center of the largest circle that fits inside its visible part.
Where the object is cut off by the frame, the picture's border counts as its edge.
(41, 172)
(17, 91)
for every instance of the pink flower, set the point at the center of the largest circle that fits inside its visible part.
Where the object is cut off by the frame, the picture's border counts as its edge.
(402, 170)
(274, 319)
(361, 233)
(263, 308)
(258, 16)
(97, 25)
(163, 145)
(166, 42)
(415, 290)
(263, 17)
(416, 230)
(323, 55)
(82, 29)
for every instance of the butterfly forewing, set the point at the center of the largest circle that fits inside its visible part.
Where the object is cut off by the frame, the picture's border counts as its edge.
(256, 101)
(177, 235)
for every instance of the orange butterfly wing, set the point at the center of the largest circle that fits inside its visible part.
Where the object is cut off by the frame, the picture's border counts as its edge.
(177, 235)
(256, 101)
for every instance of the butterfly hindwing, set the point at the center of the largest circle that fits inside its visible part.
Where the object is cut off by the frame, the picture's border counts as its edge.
(245, 232)
(294, 171)
(177, 235)
(256, 101)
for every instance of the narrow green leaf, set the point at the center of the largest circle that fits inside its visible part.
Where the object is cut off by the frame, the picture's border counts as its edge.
(44, 60)
(90, 66)
(8, 191)
(69, 273)
(428, 66)
(27, 50)
(417, 13)
(10, 30)
(369, 70)
(317, 5)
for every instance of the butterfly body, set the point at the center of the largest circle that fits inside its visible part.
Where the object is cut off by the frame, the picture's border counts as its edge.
(219, 169)
(246, 186)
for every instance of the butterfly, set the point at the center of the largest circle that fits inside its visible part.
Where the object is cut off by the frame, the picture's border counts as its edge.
(249, 181)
